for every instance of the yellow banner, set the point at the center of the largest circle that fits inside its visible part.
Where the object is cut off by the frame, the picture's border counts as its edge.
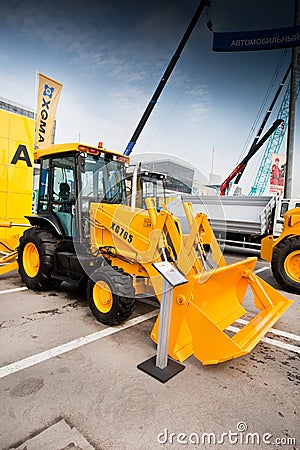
(48, 95)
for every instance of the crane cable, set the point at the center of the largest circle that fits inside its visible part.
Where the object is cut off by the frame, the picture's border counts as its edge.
(263, 105)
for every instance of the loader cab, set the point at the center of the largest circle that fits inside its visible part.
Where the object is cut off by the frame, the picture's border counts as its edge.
(70, 181)
(153, 185)
(282, 206)
(141, 184)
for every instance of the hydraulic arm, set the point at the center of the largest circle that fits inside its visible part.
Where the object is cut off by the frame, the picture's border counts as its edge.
(211, 300)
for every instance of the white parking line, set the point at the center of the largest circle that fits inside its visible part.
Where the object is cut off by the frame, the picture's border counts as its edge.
(292, 348)
(262, 269)
(9, 291)
(64, 348)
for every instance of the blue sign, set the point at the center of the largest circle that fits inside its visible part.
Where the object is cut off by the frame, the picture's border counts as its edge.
(242, 41)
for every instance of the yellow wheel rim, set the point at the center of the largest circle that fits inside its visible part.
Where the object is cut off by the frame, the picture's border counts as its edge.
(292, 266)
(102, 297)
(31, 260)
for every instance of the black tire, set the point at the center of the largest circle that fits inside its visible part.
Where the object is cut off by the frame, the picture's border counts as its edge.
(286, 264)
(36, 258)
(111, 295)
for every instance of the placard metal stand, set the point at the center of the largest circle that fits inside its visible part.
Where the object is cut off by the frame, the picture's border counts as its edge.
(161, 366)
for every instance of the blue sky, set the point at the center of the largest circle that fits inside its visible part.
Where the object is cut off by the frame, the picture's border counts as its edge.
(110, 56)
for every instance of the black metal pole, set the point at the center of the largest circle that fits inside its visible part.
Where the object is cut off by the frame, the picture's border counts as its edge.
(257, 146)
(252, 151)
(292, 110)
(165, 76)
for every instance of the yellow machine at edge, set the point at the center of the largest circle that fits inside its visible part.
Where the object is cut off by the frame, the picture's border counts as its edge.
(16, 181)
(284, 252)
(86, 232)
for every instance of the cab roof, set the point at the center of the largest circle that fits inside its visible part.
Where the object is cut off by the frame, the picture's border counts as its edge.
(78, 147)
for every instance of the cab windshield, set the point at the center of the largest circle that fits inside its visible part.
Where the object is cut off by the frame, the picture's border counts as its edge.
(102, 180)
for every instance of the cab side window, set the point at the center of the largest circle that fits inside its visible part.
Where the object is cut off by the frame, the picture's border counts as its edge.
(63, 200)
(44, 186)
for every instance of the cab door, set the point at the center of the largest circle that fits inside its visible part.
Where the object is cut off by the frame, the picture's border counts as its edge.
(57, 193)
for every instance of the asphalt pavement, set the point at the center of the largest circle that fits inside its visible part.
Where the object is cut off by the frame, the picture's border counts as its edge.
(69, 382)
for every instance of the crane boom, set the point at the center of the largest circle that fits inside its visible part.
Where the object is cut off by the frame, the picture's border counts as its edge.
(243, 163)
(165, 76)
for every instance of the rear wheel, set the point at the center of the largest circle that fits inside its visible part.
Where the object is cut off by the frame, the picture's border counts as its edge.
(111, 295)
(286, 264)
(36, 258)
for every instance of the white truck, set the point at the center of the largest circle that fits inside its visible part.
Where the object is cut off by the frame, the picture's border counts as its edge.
(238, 220)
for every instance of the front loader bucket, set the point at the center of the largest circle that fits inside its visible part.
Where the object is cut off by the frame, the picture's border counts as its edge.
(204, 308)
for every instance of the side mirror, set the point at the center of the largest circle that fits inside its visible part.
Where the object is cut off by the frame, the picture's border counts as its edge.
(81, 162)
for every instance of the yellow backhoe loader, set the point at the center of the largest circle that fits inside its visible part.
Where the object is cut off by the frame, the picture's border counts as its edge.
(284, 252)
(86, 232)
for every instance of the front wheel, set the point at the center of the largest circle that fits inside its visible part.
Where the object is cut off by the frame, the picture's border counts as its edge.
(36, 258)
(286, 264)
(111, 295)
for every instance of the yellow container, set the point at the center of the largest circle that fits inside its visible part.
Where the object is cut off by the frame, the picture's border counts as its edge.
(16, 170)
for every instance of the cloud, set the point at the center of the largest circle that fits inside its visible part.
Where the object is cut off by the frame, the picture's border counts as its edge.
(90, 46)
(4, 58)
(14, 90)
(129, 43)
(129, 49)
